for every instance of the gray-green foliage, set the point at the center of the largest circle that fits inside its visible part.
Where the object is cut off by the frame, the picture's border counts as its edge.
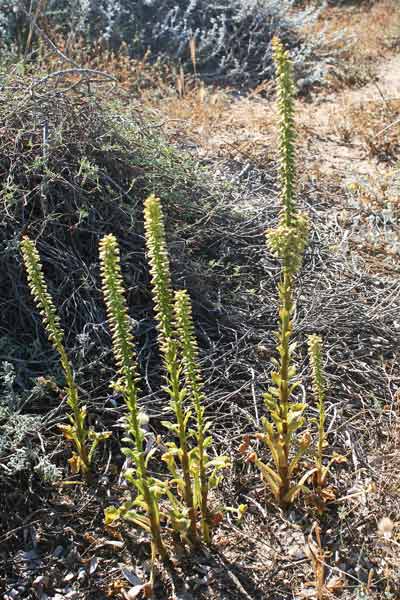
(19, 447)
(233, 37)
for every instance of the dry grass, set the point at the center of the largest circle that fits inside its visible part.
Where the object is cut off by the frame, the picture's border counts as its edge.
(371, 33)
(375, 124)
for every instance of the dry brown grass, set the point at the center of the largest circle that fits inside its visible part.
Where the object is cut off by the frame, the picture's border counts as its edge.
(374, 31)
(375, 124)
(221, 122)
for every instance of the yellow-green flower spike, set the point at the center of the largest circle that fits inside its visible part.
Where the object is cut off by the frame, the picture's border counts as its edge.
(125, 358)
(77, 431)
(189, 349)
(288, 242)
(41, 295)
(318, 377)
(159, 268)
(117, 312)
(194, 383)
(287, 132)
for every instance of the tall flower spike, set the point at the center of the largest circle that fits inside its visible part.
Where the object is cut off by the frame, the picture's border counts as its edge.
(42, 297)
(318, 378)
(117, 312)
(159, 267)
(77, 431)
(287, 241)
(164, 311)
(287, 133)
(124, 354)
(189, 352)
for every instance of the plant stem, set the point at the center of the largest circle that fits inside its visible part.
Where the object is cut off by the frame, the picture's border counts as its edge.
(189, 352)
(285, 333)
(123, 349)
(175, 386)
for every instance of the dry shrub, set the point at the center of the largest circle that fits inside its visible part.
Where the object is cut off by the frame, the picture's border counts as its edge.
(72, 170)
(231, 40)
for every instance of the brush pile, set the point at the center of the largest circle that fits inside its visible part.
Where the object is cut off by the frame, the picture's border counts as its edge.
(70, 172)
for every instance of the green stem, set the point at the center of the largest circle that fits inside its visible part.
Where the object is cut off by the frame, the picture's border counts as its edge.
(285, 333)
(73, 402)
(123, 348)
(173, 371)
(203, 489)
(152, 507)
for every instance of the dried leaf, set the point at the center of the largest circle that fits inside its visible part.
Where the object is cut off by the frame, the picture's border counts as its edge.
(114, 544)
(385, 528)
(134, 592)
(94, 561)
(335, 584)
(130, 575)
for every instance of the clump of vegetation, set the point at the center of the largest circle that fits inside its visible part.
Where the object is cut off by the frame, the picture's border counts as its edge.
(222, 41)
(179, 353)
(71, 170)
(14, 426)
(182, 496)
(287, 242)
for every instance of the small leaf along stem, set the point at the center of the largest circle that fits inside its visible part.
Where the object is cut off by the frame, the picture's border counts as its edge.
(127, 384)
(189, 351)
(77, 431)
(163, 301)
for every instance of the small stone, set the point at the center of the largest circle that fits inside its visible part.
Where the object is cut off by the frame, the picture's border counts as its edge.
(40, 582)
(130, 576)
(296, 552)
